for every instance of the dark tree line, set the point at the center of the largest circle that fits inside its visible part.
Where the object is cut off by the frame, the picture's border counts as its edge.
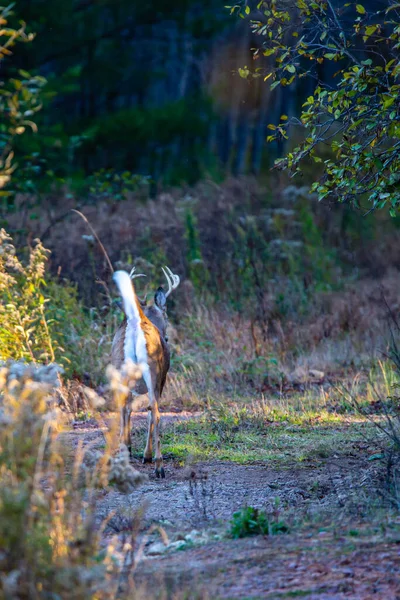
(150, 87)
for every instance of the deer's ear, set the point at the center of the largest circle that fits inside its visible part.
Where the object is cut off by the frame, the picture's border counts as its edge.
(160, 299)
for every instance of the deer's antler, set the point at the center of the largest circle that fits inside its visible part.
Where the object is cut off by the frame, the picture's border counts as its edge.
(172, 279)
(133, 275)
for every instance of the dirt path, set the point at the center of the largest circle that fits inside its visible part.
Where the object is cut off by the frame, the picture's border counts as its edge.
(312, 567)
(204, 495)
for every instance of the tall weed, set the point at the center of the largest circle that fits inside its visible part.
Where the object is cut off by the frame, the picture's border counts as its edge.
(50, 539)
(42, 319)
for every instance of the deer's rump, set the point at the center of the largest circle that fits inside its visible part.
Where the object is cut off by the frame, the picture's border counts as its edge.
(158, 353)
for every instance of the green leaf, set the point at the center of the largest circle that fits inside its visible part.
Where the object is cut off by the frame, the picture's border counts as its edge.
(360, 9)
(370, 30)
(388, 101)
(247, 10)
(377, 456)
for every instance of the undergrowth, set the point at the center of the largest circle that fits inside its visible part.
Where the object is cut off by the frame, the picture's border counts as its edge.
(381, 409)
(50, 540)
(42, 319)
(252, 521)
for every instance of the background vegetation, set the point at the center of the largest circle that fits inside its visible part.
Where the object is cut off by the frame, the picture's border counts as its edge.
(153, 122)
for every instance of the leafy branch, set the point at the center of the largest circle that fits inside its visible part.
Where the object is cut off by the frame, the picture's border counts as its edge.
(19, 97)
(357, 115)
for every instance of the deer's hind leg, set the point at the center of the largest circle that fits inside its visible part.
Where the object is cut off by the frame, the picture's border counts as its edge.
(126, 425)
(154, 422)
(148, 451)
(157, 443)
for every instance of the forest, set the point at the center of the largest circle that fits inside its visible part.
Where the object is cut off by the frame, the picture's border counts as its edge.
(206, 197)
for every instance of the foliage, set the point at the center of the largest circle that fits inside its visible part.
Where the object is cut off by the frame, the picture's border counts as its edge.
(251, 521)
(26, 326)
(19, 96)
(42, 319)
(153, 136)
(358, 116)
(109, 185)
(50, 542)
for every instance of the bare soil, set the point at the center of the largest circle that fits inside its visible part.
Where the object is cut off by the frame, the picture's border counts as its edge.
(307, 562)
(316, 566)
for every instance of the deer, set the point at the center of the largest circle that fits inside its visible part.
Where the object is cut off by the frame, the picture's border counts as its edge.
(142, 338)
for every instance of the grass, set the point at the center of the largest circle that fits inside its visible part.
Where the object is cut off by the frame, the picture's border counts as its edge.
(298, 428)
(278, 444)
(279, 433)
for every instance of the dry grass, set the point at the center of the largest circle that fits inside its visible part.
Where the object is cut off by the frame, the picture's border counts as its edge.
(218, 350)
(50, 541)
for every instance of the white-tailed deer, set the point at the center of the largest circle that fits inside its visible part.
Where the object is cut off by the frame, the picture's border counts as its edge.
(142, 338)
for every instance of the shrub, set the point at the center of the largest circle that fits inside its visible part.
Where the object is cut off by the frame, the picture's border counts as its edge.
(49, 539)
(43, 321)
(251, 521)
(25, 325)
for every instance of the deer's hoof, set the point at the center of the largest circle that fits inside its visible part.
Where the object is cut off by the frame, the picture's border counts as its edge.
(147, 459)
(160, 473)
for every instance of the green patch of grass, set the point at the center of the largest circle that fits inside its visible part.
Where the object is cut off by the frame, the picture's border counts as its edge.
(251, 439)
(251, 521)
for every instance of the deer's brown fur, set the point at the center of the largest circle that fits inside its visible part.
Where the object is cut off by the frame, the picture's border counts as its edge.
(157, 350)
